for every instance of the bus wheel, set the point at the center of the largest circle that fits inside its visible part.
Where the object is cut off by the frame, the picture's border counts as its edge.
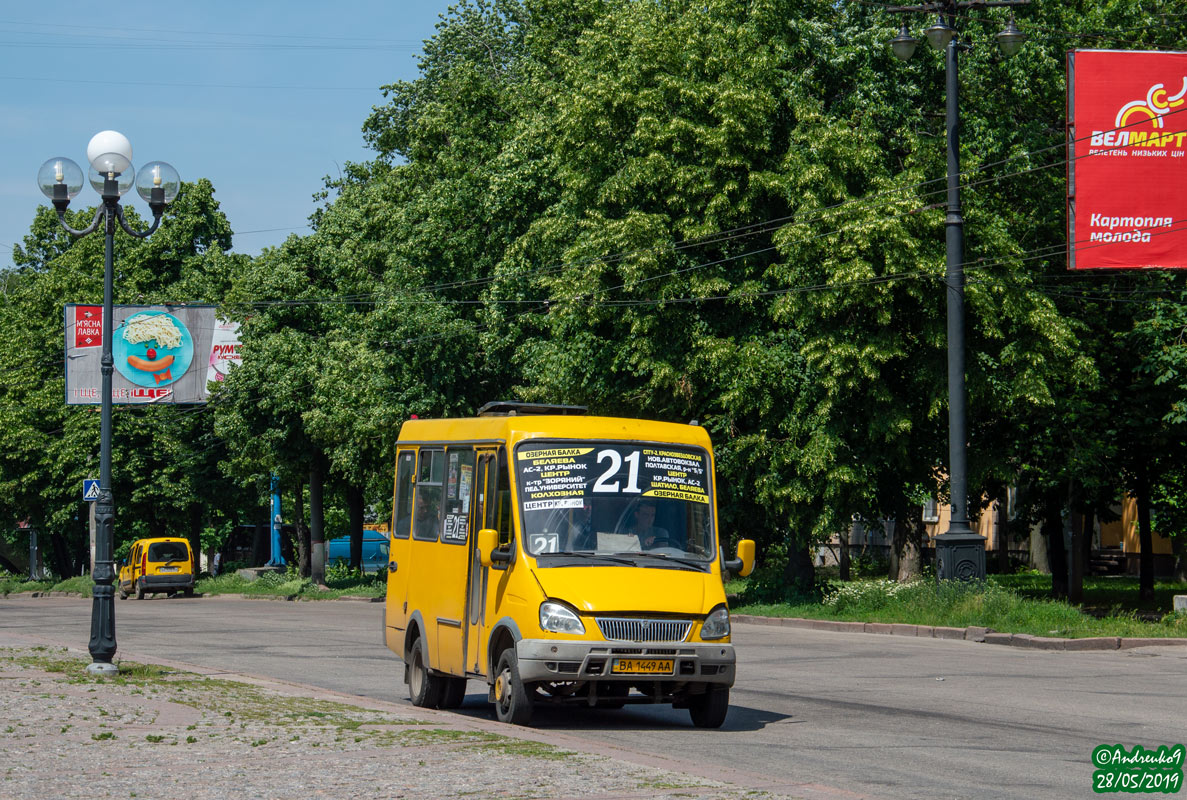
(424, 688)
(452, 693)
(708, 710)
(513, 704)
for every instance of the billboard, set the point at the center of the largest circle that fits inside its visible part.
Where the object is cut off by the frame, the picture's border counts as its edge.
(163, 354)
(1127, 156)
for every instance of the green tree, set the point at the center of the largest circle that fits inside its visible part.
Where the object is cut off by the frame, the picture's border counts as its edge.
(164, 458)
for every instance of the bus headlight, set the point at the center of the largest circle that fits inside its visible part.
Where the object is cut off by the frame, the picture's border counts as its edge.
(559, 618)
(717, 624)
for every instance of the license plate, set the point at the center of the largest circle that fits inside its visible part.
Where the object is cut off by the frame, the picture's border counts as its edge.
(167, 569)
(643, 666)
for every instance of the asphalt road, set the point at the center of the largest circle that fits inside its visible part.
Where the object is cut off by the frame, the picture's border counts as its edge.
(814, 713)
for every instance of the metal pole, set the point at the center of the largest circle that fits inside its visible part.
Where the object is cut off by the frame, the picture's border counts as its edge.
(277, 554)
(102, 643)
(954, 280)
(960, 552)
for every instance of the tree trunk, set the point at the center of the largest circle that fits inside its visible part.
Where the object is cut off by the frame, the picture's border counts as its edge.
(908, 541)
(1179, 548)
(800, 573)
(1038, 550)
(1002, 520)
(1145, 538)
(354, 505)
(1056, 552)
(195, 537)
(64, 565)
(261, 536)
(1079, 524)
(302, 533)
(317, 523)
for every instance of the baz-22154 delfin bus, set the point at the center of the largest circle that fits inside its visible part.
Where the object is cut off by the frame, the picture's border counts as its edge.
(560, 558)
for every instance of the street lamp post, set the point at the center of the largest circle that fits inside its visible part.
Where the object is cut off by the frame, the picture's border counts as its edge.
(111, 175)
(960, 551)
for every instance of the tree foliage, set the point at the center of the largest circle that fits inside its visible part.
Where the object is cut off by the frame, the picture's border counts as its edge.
(724, 211)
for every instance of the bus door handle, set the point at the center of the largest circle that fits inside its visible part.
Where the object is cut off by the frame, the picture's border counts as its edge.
(391, 566)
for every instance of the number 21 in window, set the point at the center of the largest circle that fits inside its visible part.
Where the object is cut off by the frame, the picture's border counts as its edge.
(602, 484)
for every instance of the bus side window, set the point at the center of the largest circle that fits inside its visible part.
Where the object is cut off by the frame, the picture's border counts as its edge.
(503, 500)
(404, 471)
(426, 517)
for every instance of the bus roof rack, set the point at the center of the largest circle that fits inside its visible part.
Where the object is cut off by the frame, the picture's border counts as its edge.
(511, 408)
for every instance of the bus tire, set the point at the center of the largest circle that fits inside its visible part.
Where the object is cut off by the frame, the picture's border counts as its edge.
(708, 710)
(453, 692)
(424, 688)
(513, 703)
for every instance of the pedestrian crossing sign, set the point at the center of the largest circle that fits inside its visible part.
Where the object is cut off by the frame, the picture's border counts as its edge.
(90, 489)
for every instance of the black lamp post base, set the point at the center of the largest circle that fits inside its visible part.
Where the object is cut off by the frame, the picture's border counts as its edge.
(103, 669)
(960, 557)
(102, 644)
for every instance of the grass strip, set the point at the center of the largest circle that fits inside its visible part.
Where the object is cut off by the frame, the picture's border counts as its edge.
(982, 604)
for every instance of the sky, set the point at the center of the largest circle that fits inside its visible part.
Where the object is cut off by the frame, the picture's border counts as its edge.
(262, 98)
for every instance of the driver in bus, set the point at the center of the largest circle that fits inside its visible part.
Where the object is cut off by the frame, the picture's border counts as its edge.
(650, 535)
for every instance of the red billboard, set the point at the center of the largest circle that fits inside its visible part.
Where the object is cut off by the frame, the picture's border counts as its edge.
(1127, 156)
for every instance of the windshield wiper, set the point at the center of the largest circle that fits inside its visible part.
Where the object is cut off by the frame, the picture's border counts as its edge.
(695, 563)
(613, 559)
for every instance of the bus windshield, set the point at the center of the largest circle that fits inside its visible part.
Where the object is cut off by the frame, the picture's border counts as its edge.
(634, 499)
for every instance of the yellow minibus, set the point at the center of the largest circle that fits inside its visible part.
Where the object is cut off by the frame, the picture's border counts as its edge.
(560, 558)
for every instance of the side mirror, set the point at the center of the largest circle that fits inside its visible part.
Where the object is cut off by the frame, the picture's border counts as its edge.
(488, 540)
(743, 565)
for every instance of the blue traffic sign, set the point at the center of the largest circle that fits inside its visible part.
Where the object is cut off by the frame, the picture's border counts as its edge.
(90, 489)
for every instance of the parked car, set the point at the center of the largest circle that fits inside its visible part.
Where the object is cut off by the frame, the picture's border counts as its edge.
(164, 564)
(375, 546)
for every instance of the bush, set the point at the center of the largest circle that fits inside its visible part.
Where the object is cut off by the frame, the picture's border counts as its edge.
(768, 584)
(10, 584)
(341, 572)
(864, 596)
(869, 565)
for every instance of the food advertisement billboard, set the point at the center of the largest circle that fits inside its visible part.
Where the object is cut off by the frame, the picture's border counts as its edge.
(162, 354)
(1127, 156)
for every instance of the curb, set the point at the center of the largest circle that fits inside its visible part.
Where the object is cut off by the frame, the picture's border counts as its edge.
(296, 598)
(970, 634)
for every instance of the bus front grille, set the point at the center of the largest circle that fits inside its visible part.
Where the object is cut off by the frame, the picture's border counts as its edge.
(644, 630)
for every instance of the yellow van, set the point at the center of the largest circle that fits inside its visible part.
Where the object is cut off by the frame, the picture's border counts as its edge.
(157, 565)
(562, 558)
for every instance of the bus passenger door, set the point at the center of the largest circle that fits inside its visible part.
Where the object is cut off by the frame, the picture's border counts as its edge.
(483, 517)
(451, 561)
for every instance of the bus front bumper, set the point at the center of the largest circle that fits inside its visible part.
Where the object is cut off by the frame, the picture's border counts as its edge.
(696, 662)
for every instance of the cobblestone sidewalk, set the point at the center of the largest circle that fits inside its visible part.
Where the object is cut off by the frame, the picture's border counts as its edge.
(165, 734)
